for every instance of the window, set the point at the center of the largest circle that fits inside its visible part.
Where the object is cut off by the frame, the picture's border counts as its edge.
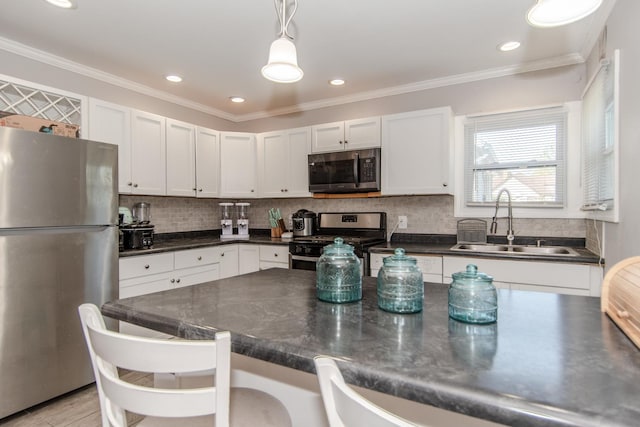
(524, 152)
(599, 142)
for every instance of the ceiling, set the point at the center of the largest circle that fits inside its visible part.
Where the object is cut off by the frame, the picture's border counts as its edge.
(379, 47)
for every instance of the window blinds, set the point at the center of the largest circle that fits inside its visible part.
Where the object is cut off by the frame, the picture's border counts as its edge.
(523, 152)
(598, 140)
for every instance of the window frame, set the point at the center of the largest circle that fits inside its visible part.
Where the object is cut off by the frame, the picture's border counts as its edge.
(573, 191)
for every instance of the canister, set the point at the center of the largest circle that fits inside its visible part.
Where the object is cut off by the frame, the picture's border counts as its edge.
(400, 285)
(338, 275)
(473, 297)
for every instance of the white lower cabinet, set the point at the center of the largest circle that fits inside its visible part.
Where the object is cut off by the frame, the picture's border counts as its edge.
(430, 265)
(272, 256)
(249, 259)
(556, 277)
(229, 265)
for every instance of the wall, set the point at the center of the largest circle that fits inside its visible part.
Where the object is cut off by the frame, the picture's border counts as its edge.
(37, 72)
(425, 214)
(622, 240)
(511, 92)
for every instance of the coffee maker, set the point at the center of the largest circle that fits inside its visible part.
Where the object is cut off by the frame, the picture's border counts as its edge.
(139, 233)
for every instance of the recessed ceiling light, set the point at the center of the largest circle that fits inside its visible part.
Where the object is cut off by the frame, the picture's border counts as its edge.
(173, 78)
(336, 82)
(554, 13)
(506, 47)
(237, 99)
(65, 4)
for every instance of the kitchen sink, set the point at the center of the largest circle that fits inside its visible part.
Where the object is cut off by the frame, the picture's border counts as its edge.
(515, 249)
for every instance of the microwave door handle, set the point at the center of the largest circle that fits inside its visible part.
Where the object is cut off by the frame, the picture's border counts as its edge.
(356, 169)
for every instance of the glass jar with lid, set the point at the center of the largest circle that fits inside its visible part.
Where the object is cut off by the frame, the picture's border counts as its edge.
(339, 278)
(473, 297)
(400, 284)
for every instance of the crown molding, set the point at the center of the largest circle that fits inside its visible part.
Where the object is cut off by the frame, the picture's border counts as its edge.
(561, 61)
(65, 64)
(59, 62)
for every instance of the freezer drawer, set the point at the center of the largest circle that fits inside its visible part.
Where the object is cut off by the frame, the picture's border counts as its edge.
(45, 275)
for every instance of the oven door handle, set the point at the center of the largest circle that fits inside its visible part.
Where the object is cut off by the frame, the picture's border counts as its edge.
(304, 258)
(356, 169)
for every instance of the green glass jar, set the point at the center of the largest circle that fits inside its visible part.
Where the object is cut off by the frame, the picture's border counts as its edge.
(400, 284)
(339, 276)
(473, 297)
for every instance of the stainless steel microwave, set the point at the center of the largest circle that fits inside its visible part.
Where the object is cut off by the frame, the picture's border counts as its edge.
(353, 171)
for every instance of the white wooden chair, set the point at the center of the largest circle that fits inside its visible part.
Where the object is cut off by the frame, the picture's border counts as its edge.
(217, 405)
(345, 407)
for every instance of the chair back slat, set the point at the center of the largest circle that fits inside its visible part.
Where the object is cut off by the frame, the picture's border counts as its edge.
(344, 406)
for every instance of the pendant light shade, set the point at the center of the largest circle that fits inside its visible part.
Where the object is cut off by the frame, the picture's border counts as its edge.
(283, 62)
(554, 13)
(283, 58)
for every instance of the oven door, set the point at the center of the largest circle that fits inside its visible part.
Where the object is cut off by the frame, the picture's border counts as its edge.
(299, 262)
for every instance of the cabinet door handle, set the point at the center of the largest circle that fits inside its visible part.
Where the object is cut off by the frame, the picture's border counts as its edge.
(129, 184)
(146, 267)
(199, 258)
(200, 190)
(275, 255)
(222, 254)
(173, 280)
(346, 142)
(135, 185)
(340, 142)
(194, 189)
(444, 184)
(252, 190)
(178, 280)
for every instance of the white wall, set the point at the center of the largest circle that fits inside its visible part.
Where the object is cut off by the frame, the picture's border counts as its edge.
(622, 240)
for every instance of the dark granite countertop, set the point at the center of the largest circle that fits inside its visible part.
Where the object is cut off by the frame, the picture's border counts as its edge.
(550, 360)
(190, 240)
(441, 245)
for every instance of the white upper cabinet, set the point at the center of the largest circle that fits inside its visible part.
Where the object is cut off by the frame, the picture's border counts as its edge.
(111, 123)
(181, 159)
(148, 154)
(282, 163)
(238, 165)
(349, 135)
(207, 163)
(416, 152)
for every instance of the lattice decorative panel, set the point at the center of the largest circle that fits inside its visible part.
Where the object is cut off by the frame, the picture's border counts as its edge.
(20, 99)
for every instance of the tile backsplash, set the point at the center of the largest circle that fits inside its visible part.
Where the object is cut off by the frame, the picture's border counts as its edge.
(425, 214)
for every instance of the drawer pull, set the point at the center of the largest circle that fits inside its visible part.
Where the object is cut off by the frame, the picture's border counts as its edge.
(275, 255)
(222, 254)
(178, 280)
(199, 258)
(146, 267)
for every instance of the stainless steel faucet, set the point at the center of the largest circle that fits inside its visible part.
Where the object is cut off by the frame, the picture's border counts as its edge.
(494, 222)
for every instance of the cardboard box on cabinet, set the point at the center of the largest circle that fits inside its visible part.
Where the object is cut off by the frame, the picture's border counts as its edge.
(38, 125)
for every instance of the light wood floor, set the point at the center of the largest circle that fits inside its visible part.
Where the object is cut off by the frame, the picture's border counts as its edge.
(76, 409)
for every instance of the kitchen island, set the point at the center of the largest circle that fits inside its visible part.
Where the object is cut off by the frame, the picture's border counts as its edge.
(550, 360)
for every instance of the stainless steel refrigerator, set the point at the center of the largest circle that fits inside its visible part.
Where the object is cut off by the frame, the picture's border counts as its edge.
(58, 249)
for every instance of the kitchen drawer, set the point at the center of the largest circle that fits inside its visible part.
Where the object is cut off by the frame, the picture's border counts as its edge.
(144, 265)
(264, 265)
(274, 253)
(196, 257)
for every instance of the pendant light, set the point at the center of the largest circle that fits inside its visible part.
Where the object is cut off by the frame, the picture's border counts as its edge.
(283, 60)
(554, 13)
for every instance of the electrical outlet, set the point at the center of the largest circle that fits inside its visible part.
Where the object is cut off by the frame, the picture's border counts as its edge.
(402, 221)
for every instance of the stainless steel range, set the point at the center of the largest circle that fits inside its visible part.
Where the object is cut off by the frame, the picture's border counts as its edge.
(359, 229)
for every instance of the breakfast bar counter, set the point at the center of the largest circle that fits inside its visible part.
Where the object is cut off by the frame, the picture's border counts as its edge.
(550, 360)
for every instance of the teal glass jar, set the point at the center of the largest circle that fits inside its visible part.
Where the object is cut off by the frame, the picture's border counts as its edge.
(473, 297)
(338, 273)
(400, 284)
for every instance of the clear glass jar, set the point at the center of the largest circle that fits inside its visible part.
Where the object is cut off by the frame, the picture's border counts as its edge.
(400, 284)
(473, 297)
(339, 278)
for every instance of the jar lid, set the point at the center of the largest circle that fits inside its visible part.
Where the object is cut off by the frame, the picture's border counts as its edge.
(225, 204)
(471, 274)
(243, 204)
(399, 259)
(338, 247)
